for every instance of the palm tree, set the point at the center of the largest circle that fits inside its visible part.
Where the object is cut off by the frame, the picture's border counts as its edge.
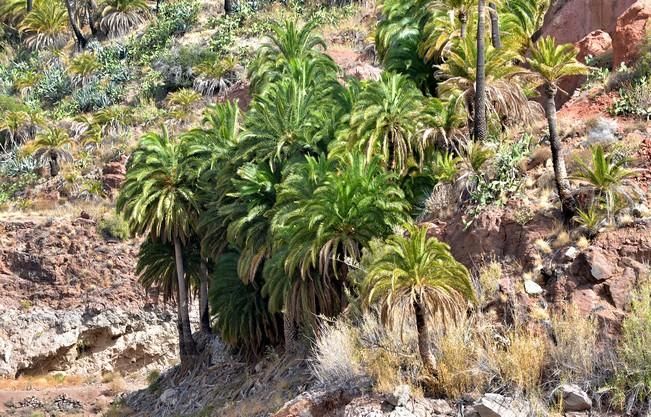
(385, 121)
(12, 123)
(52, 147)
(118, 17)
(72, 17)
(285, 44)
(158, 200)
(608, 179)
(46, 25)
(495, 25)
(460, 8)
(480, 123)
(416, 274)
(505, 97)
(521, 21)
(551, 63)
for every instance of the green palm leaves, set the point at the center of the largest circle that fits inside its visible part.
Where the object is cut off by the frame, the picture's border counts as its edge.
(386, 121)
(52, 147)
(157, 196)
(46, 25)
(117, 17)
(553, 62)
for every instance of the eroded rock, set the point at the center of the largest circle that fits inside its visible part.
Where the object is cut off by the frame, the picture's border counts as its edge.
(631, 32)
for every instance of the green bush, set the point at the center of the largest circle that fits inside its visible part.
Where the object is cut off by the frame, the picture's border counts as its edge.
(53, 86)
(634, 100)
(97, 95)
(114, 227)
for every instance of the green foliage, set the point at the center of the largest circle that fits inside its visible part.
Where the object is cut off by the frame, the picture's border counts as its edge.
(13, 164)
(445, 166)
(118, 17)
(240, 313)
(591, 220)
(114, 227)
(553, 62)
(46, 26)
(634, 100)
(53, 86)
(174, 19)
(608, 179)
(413, 268)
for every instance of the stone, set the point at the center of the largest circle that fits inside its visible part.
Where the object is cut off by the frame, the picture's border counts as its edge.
(440, 407)
(531, 288)
(496, 405)
(400, 396)
(620, 288)
(569, 254)
(603, 132)
(574, 398)
(631, 32)
(599, 267)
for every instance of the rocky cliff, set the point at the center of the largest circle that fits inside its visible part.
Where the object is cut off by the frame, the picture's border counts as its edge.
(71, 302)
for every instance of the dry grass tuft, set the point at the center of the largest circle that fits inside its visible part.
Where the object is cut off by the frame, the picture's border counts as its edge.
(573, 356)
(334, 354)
(489, 278)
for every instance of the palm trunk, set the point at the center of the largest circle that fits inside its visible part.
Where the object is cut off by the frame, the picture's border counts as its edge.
(289, 333)
(186, 342)
(568, 204)
(429, 361)
(495, 26)
(81, 40)
(54, 165)
(30, 5)
(463, 21)
(204, 311)
(91, 8)
(228, 6)
(480, 130)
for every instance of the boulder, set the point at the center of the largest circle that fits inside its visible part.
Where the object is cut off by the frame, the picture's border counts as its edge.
(113, 174)
(496, 405)
(620, 288)
(574, 398)
(531, 288)
(631, 32)
(569, 21)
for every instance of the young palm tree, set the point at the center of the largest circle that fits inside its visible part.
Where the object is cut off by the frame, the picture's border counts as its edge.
(551, 63)
(416, 274)
(12, 123)
(385, 121)
(46, 26)
(52, 147)
(609, 180)
(83, 68)
(118, 17)
(158, 200)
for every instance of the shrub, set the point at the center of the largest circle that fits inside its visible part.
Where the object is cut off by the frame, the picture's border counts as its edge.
(334, 352)
(521, 364)
(53, 86)
(489, 278)
(97, 95)
(634, 100)
(114, 227)
(632, 380)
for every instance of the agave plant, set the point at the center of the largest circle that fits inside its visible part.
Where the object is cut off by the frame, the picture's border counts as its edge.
(118, 17)
(46, 26)
(83, 68)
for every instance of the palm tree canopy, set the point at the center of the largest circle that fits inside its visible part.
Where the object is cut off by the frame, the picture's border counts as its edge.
(553, 62)
(53, 142)
(158, 197)
(416, 268)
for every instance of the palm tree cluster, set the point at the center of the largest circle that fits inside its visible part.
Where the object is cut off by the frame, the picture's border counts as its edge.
(266, 215)
(277, 205)
(49, 24)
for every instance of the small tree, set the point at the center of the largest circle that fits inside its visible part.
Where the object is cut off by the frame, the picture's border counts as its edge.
(52, 147)
(551, 63)
(417, 274)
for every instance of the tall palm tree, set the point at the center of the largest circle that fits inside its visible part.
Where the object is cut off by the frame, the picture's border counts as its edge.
(417, 274)
(496, 39)
(551, 63)
(480, 123)
(158, 199)
(53, 147)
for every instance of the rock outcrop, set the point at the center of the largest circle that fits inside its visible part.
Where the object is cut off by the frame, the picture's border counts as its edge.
(44, 340)
(632, 31)
(114, 174)
(71, 302)
(571, 20)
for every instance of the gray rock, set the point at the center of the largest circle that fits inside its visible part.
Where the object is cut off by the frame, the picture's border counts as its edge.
(531, 288)
(495, 405)
(440, 407)
(574, 398)
(569, 254)
(400, 396)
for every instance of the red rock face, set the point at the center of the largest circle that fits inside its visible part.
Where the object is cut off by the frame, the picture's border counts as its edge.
(571, 20)
(632, 30)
